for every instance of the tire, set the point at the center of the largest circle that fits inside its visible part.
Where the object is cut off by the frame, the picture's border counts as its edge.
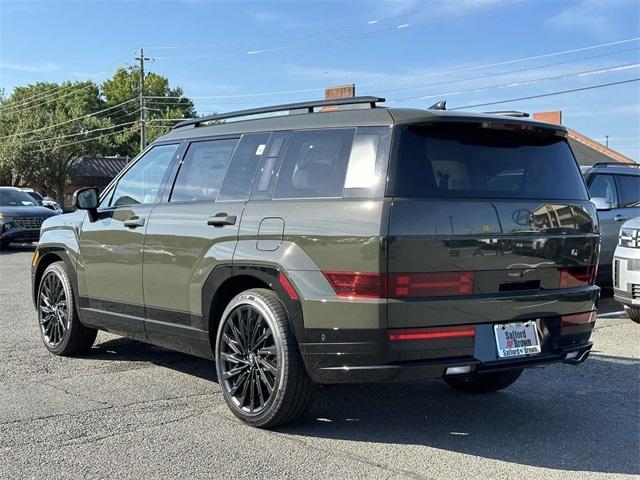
(3, 246)
(60, 328)
(484, 382)
(259, 367)
(634, 313)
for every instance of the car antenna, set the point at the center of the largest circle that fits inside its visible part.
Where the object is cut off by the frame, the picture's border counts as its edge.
(440, 105)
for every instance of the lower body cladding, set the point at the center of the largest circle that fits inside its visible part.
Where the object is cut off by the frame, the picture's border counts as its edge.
(559, 326)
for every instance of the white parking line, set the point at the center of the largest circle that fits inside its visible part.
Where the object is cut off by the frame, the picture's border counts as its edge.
(610, 314)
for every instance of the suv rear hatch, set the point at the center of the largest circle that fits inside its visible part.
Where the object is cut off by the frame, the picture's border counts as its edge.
(490, 222)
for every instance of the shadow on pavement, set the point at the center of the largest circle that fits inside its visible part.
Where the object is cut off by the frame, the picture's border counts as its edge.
(582, 418)
(124, 349)
(569, 418)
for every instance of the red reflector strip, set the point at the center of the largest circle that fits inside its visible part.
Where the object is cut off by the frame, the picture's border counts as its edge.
(578, 318)
(432, 333)
(571, 277)
(356, 284)
(430, 284)
(286, 284)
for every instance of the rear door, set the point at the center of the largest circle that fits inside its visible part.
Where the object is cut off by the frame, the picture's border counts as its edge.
(191, 232)
(479, 210)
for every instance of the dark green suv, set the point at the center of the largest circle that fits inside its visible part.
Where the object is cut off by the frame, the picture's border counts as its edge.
(342, 242)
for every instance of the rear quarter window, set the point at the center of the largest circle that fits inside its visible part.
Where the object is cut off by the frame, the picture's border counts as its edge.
(315, 164)
(468, 161)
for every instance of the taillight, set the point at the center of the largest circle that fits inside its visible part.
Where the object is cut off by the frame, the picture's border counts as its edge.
(431, 333)
(355, 284)
(577, 276)
(400, 285)
(578, 318)
(439, 284)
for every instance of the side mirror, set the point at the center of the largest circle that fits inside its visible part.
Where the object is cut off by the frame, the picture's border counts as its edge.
(87, 199)
(601, 203)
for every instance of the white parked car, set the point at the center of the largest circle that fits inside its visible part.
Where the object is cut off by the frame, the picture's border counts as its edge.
(626, 268)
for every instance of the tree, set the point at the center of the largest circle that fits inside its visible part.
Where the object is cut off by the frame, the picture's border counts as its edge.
(163, 103)
(44, 126)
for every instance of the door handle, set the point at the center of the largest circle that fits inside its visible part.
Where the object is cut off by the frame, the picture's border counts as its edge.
(134, 222)
(620, 218)
(221, 219)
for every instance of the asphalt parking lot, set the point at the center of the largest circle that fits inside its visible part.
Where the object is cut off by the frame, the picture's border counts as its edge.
(129, 410)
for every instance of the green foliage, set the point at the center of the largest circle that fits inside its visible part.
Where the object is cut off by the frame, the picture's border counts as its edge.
(164, 103)
(45, 125)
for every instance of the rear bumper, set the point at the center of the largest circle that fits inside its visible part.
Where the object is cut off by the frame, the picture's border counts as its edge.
(368, 355)
(438, 368)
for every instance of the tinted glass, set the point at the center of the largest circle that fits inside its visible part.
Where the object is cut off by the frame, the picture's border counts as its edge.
(141, 183)
(468, 161)
(16, 198)
(237, 183)
(203, 168)
(603, 186)
(315, 164)
(629, 190)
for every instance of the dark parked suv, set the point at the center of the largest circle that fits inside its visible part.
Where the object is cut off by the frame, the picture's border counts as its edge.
(350, 245)
(20, 216)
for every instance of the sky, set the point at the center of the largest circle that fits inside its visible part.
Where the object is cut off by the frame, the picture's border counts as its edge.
(229, 55)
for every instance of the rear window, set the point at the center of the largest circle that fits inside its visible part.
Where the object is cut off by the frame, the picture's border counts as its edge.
(468, 161)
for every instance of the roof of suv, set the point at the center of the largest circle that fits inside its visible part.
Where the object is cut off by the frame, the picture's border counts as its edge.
(361, 117)
(619, 168)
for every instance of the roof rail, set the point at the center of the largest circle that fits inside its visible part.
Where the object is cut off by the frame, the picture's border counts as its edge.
(616, 164)
(509, 113)
(309, 106)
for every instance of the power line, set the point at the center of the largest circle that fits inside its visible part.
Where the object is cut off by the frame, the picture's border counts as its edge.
(397, 28)
(509, 72)
(561, 92)
(68, 121)
(45, 102)
(476, 67)
(615, 68)
(77, 142)
(373, 21)
(37, 97)
(79, 133)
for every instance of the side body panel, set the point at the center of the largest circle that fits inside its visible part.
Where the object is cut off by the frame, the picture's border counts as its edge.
(112, 261)
(180, 253)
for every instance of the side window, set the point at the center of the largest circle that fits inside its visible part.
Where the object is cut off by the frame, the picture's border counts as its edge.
(605, 187)
(629, 190)
(315, 164)
(203, 168)
(368, 161)
(141, 183)
(244, 164)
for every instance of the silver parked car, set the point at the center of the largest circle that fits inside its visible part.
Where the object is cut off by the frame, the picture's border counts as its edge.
(615, 190)
(626, 269)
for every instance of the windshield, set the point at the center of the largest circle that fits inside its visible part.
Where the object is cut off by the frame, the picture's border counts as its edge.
(35, 195)
(467, 161)
(16, 198)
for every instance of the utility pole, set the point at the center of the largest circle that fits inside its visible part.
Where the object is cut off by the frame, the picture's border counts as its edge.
(143, 110)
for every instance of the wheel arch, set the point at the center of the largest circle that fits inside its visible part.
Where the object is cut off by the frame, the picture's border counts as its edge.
(46, 257)
(227, 281)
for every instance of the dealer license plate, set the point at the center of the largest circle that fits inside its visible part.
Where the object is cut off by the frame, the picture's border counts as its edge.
(517, 339)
